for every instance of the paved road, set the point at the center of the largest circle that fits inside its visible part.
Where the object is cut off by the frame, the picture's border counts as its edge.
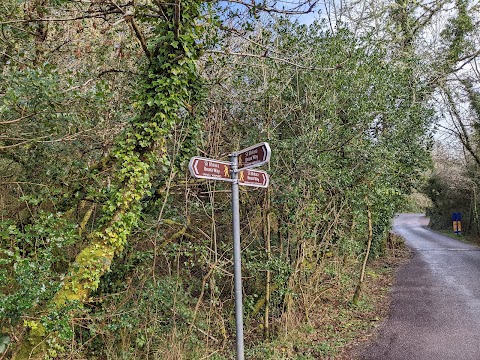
(435, 311)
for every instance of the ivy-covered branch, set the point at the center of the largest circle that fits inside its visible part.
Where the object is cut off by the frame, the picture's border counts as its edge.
(170, 89)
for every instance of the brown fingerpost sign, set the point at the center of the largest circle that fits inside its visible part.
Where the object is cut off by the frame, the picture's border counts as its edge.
(254, 156)
(257, 178)
(204, 168)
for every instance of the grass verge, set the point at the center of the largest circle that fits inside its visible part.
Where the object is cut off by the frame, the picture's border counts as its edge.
(469, 239)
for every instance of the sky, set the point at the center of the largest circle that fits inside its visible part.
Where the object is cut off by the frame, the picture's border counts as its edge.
(318, 12)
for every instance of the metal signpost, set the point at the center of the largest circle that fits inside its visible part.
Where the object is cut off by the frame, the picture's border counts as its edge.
(238, 172)
(237, 262)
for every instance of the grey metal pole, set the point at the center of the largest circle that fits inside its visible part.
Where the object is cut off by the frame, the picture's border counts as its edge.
(237, 263)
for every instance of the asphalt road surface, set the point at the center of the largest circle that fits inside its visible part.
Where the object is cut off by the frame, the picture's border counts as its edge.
(435, 310)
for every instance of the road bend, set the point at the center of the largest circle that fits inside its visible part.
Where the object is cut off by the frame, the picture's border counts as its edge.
(435, 309)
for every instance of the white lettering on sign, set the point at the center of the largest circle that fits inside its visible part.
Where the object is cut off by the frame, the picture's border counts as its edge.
(212, 164)
(212, 168)
(251, 155)
(257, 178)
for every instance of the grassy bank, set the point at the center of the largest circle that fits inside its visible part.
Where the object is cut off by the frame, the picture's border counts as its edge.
(469, 239)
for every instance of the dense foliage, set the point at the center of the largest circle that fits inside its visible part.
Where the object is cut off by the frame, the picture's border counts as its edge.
(453, 185)
(109, 249)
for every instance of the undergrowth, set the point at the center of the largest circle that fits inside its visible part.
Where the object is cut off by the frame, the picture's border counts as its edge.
(336, 328)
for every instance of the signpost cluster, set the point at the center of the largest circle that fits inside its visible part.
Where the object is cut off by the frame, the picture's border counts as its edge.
(238, 171)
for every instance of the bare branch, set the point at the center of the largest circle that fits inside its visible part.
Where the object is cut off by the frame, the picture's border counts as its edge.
(16, 120)
(129, 17)
(265, 8)
(266, 56)
(93, 16)
(109, 71)
(461, 132)
(21, 143)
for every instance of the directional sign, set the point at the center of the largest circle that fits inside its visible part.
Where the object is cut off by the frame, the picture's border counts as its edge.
(253, 156)
(204, 168)
(237, 172)
(256, 178)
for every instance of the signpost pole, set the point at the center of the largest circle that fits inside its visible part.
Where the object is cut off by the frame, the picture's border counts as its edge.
(237, 258)
(238, 172)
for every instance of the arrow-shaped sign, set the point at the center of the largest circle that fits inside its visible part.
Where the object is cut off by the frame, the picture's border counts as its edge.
(204, 168)
(253, 156)
(256, 178)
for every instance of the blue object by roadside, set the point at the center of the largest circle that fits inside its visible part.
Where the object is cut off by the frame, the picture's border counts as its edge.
(456, 216)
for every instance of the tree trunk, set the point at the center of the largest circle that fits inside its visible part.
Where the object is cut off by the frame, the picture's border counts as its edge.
(358, 290)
